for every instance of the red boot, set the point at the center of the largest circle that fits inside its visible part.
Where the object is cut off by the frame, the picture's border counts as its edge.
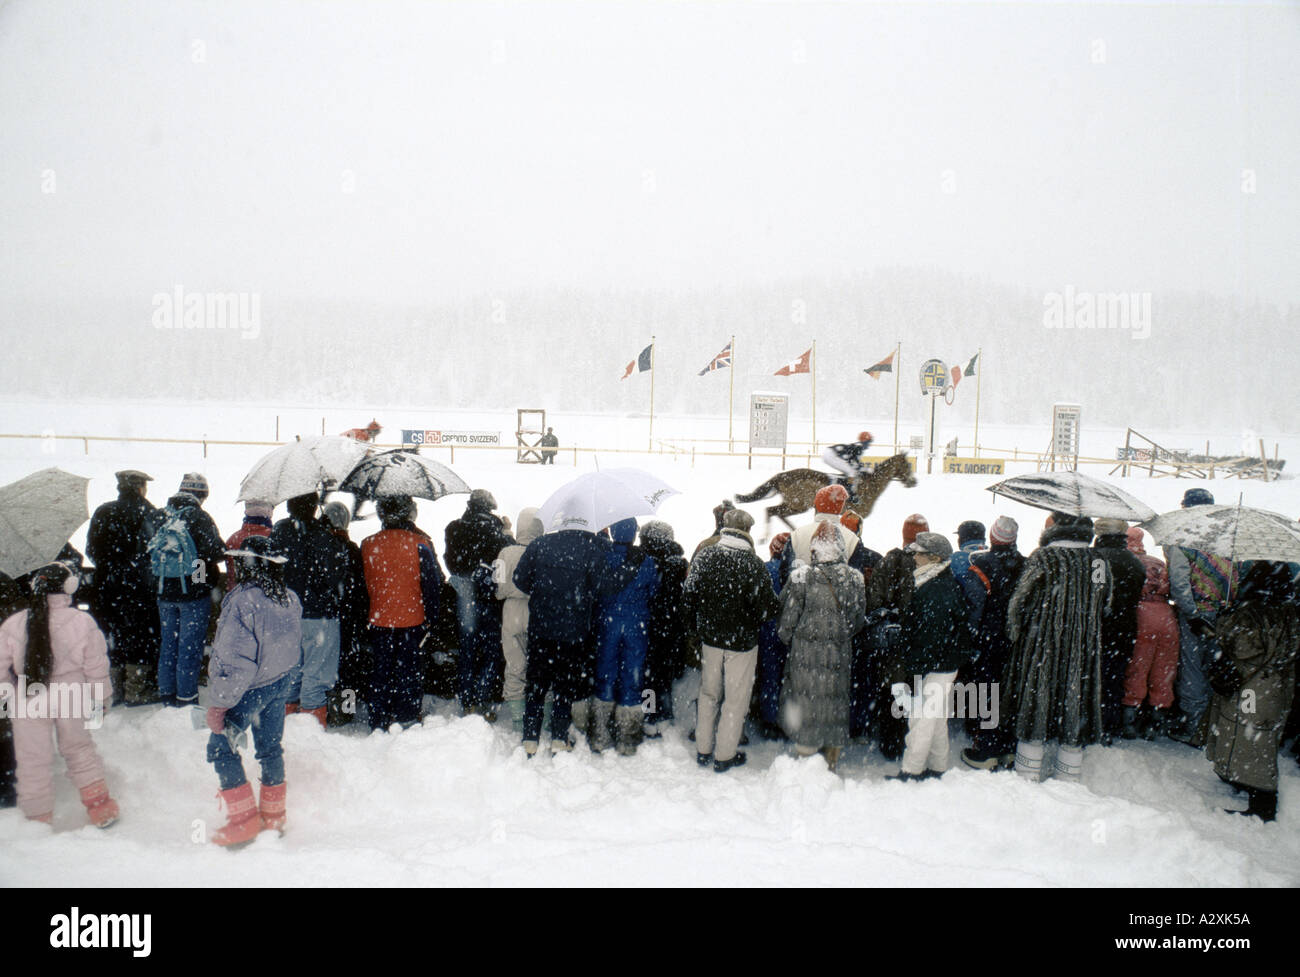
(243, 822)
(291, 707)
(272, 807)
(100, 808)
(43, 818)
(319, 713)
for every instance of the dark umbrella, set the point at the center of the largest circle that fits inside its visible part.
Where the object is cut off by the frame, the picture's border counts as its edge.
(400, 472)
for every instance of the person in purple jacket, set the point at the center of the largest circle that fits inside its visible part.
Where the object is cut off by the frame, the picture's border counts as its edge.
(258, 641)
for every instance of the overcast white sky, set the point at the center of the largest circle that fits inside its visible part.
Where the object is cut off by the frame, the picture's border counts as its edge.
(499, 146)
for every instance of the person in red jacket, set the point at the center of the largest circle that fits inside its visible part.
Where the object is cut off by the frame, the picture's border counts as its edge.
(1150, 674)
(403, 580)
(257, 522)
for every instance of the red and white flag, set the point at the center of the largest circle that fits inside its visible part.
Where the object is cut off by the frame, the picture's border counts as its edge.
(796, 366)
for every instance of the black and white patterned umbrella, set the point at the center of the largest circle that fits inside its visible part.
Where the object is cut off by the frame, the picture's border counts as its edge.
(1074, 494)
(400, 472)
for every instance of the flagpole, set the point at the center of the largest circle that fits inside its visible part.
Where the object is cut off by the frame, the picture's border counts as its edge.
(814, 393)
(979, 375)
(651, 437)
(898, 369)
(731, 394)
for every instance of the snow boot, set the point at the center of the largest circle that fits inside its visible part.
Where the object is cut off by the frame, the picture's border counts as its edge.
(320, 714)
(138, 686)
(271, 807)
(291, 707)
(832, 755)
(117, 679)
(987, 758)
(599, 738)
(627, 729)
(43, 818)
(1130, 728)
(1069, 763)
(1263, 805)
(516, 707)
(243, 821)
(100, 808)
(530, 748)
(580, 716)
(703, 759)
(1029, 759)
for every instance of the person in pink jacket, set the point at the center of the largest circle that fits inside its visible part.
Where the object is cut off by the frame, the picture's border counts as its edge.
(54, 660)
(1150, 673)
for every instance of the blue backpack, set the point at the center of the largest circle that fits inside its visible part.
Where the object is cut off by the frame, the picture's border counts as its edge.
(172, 553)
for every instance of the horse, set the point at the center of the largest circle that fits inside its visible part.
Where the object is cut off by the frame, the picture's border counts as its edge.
(798, 486)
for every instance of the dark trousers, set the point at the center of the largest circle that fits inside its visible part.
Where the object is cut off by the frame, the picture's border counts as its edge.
(561, 667)
(8, 765)
(480, 665)
(396, 685)
(772, 655)
(888, 730)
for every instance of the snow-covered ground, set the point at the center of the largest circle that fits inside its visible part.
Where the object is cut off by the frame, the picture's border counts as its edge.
(455, 802)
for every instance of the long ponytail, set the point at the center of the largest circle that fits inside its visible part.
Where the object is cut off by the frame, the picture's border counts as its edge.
(39, 660)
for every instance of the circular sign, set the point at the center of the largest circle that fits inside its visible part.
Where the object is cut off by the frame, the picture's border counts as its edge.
(934, 377)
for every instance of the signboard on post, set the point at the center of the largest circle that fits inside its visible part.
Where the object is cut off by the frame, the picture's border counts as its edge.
(769, 416)
(1065, 430)
(934, 381)
(974, 466)
(470, 438)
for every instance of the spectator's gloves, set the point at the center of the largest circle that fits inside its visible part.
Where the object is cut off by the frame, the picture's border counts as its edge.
(217, 720)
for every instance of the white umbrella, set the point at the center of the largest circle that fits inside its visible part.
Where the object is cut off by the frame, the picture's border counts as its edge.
(38, 514)
(599, 499)
(1237, 532)
(1074, 494)
(300, 468)
(401, 472)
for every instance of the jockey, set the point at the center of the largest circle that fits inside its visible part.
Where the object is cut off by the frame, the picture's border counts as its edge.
(847, 460)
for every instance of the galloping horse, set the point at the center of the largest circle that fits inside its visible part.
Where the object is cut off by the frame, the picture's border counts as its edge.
(798, 486)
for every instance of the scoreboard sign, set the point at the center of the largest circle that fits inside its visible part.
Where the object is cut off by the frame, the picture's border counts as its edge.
(975, 466)
(769, 416)
(467, 438)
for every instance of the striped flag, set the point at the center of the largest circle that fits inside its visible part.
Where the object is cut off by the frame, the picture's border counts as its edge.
(723, 359)
(640, 364)
(884, 366)
(970, 367)
(800, 365)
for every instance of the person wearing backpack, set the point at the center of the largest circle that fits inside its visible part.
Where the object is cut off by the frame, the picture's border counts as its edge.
(125, 601)
(185, 555)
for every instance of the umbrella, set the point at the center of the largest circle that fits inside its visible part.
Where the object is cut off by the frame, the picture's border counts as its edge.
(599, 499)
(38, 514)
(300, 467)
(399, 472)
(1074, 494)
(1235, 532)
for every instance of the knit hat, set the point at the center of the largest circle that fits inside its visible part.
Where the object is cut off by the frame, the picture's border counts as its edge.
(258, 510)
(1197, 496)
(656, 531)
(1109, 527)
(933, 543)
(394, 508)
(1135, 540)
(196, 484)
(777, 546)
(738, 519)
(1004, 531)
(831, 499)
(482, 499)
(852, 522)
(970, 531)
(913, 524)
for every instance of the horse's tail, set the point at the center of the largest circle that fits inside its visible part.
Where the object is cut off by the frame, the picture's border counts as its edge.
(765, 490)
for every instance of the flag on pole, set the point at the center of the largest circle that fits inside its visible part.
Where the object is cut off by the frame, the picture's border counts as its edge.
(956, 376)
(884, 366)
(723, 359)
(640, 364)
(800, 365)
(970, 367)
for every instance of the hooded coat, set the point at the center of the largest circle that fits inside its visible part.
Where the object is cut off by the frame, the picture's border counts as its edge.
(1052, 683)
(514, 610)
(1260, 636)
(258, 641)
(822, 606)
(476, 537)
